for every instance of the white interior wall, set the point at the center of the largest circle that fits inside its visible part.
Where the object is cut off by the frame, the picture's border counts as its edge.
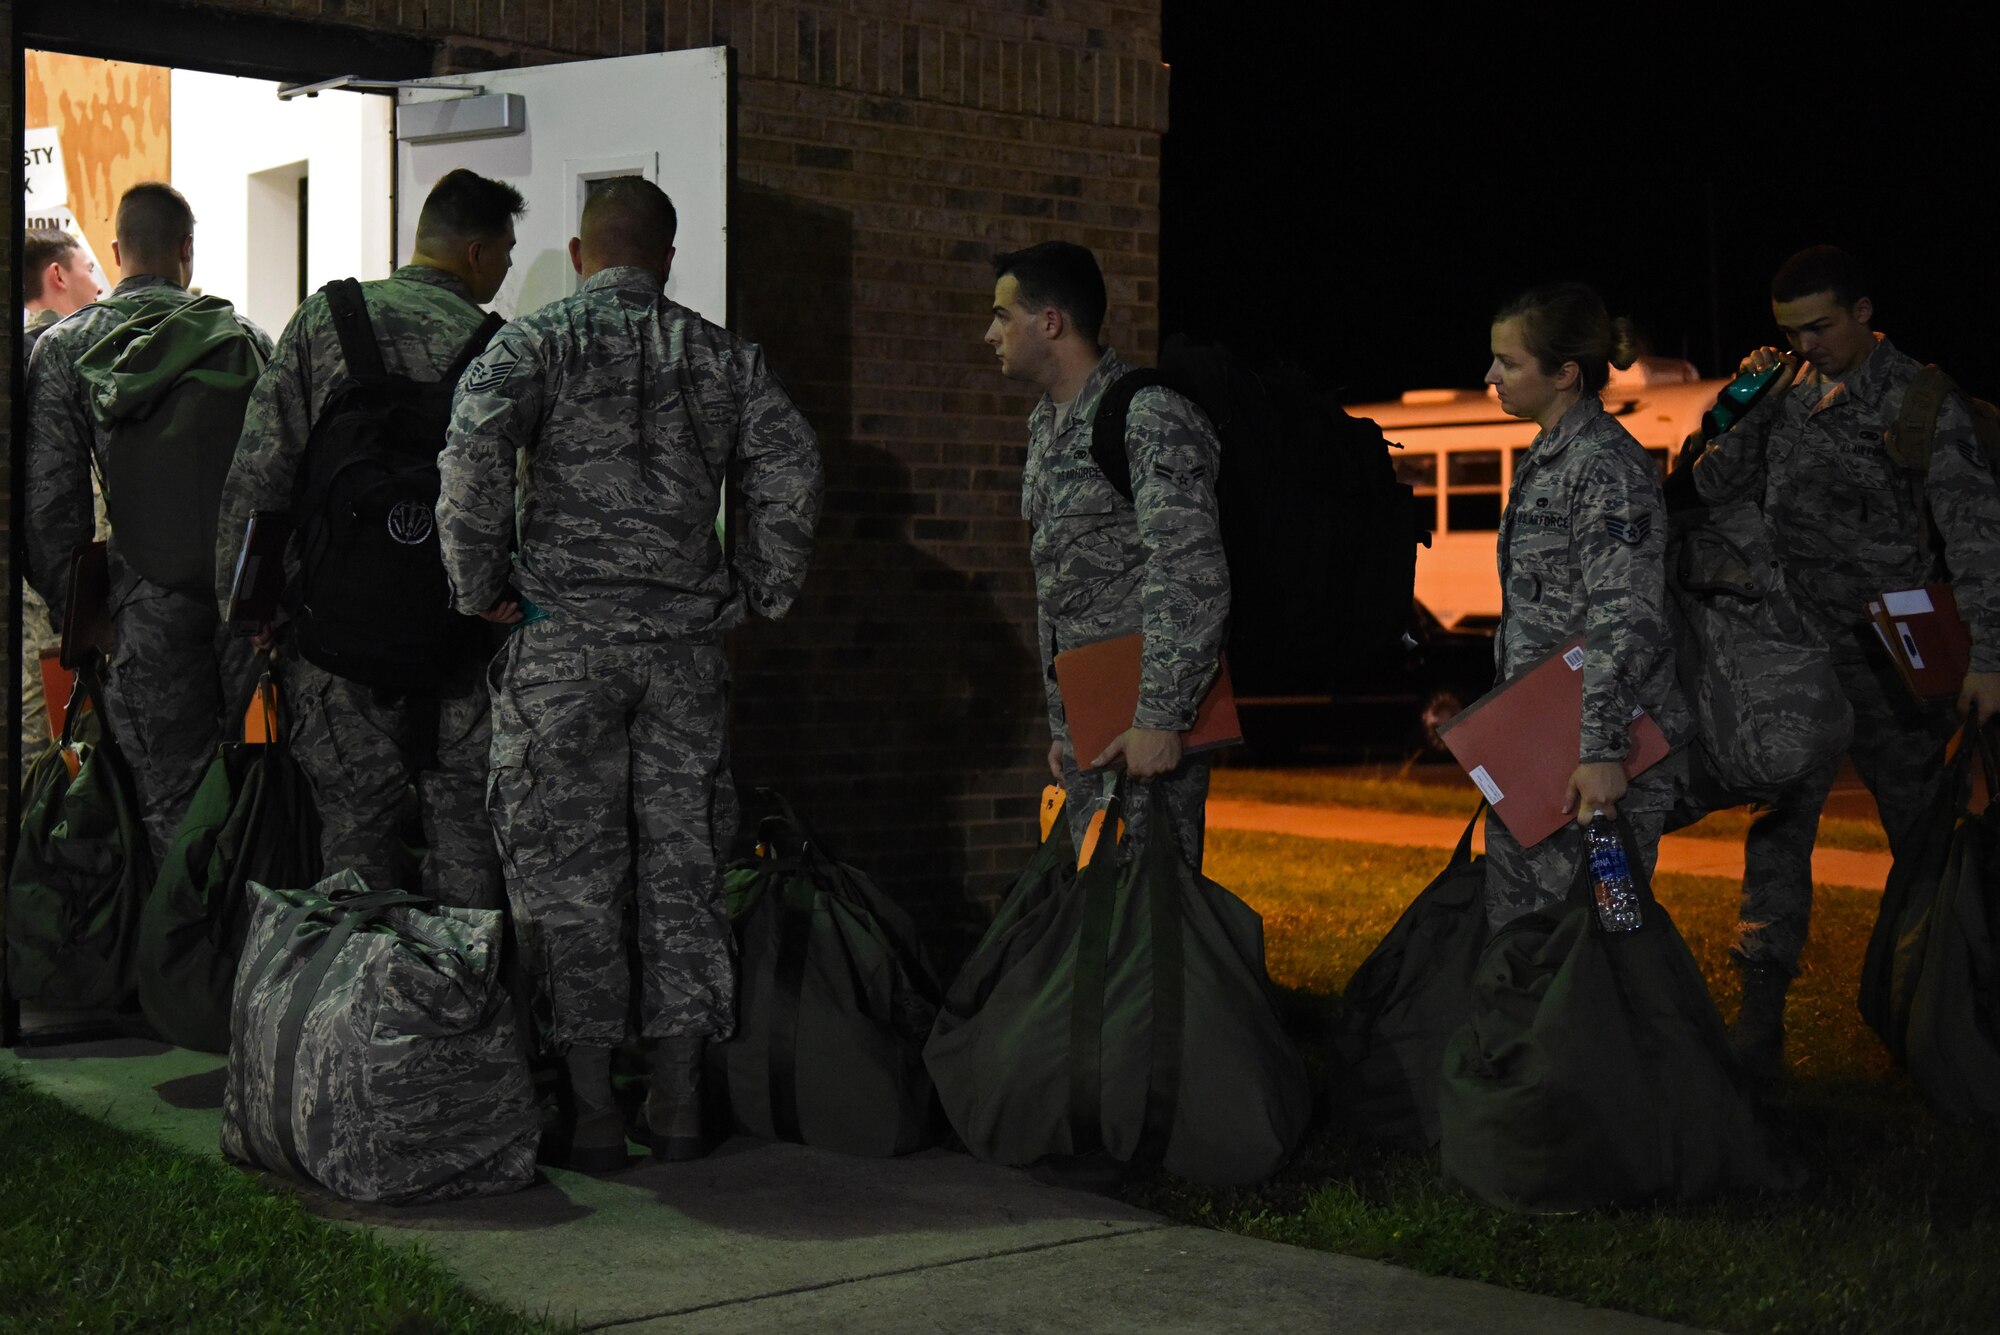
(228, 131)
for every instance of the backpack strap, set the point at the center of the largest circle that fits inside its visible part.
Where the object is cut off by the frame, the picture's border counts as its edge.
(1916, 422)
(1107, 427)
(474, 345)
(355, 331)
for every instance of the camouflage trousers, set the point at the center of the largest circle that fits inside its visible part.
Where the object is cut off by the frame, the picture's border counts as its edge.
(362, 753)
(611, 798)
(1898, 749)
(175, 671)
(37, 638)
(1520, 881)
(1186, 791)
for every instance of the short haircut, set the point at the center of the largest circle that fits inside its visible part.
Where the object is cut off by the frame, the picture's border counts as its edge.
(153, 220)
(1819, 269)
(464, 206)
(628, 215)
(42, 247)
(1568, 322)
(1061, 274)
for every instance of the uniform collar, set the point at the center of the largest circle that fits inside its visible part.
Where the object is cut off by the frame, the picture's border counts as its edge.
(431, 276)
(139, 282)
(1569, 426)
(1084, 406)
(1864, 385)
(626, 278)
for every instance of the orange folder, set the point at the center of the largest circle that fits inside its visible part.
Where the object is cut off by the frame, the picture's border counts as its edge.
(1099, 684)
(1926, 639)
(1519, 743)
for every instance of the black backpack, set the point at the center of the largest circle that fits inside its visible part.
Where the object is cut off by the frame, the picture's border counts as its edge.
(371, 602)
(1321, 537)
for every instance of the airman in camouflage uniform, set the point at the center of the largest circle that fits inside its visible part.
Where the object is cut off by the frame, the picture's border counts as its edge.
(1106, 566)
(175, 667)
(1849, 523)
(361, 750)
(1581, 552)
(627, 411)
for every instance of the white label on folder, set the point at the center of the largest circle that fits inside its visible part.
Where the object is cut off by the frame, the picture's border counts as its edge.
(1573, 657)
(1485, 783)
(1637, 712)
(1910, 646)
(1907, 603)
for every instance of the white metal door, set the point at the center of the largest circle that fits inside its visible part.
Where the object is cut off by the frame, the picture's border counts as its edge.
(664, 117)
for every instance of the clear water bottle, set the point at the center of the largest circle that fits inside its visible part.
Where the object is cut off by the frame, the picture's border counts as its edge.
(1611, 876)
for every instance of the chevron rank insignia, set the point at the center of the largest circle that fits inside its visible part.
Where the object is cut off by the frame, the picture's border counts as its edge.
(1974, 455)
(491, 371)
(1631, 532)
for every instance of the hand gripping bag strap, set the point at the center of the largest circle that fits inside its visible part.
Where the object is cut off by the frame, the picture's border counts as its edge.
(355, 913)
(1168, 869)
(1107, 427)
(1098, 885)
(355, 331)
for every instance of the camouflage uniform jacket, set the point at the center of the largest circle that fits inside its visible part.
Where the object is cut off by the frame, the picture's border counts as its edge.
(1106, 566)
(628, 410)
(1848, 521)
(65, 446)
(422, 318)
(38, 324)
(1583, 552)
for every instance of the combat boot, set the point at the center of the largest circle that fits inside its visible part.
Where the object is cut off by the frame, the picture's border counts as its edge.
(597, 1133)
(673, 1099)
(1757, 1039)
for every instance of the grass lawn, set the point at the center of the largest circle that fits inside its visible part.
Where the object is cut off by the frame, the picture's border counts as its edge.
(103, 1230)
(1898, 1231)
(1310, 787)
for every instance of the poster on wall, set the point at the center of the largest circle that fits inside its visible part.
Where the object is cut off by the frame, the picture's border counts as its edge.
(46, 184)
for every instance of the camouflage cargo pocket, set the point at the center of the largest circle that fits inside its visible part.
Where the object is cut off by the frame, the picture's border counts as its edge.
(537, 759)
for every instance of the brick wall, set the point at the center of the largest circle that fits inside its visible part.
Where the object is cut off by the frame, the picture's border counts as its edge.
(886, 148)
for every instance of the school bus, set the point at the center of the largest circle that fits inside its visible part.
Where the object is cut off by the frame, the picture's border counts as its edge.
(1458, 453)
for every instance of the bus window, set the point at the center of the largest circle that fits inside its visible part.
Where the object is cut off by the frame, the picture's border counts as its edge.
(1420, 472)
(1472, 491)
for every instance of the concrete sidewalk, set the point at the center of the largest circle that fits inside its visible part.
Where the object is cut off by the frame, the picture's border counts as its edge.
(1681, 853)
(763, 1238)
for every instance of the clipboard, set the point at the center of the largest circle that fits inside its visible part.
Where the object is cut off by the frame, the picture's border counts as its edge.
(1926, 639)
(86, 627)
(258, 583)
(1099, 685)
(1519, 743)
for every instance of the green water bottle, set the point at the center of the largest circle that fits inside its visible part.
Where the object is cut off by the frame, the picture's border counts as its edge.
(1739, 396)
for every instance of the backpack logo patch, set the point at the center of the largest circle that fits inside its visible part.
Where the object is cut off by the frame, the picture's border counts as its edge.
(410, 522)
(1631, 532)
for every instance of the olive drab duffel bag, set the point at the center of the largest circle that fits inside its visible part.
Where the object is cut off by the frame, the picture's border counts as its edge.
(834, 1001)
(1412, 993)
(251, 819)
(1122, 1017)
(1894, 962)
(1593, 1071)
(81, 867)
(373, 1047)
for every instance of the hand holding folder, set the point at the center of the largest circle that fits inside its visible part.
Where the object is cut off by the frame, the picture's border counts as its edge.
(1099, 685)
(259, 582)
(1926, 639)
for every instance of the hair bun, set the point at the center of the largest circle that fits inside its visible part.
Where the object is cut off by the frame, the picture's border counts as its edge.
(1628, 342)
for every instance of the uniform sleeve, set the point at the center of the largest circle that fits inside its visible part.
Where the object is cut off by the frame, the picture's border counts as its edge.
(1184, 599)
(1732, 467)
(495, 414)
(59, 515)
(1620, 537)
(272, 447)
(1965, 502)
(1045, 655)
(781, 478)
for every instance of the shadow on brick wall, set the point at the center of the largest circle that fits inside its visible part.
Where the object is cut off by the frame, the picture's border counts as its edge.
(895, 705)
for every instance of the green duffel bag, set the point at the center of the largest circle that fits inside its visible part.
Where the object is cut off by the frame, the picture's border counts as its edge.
(1593, 1073)
(1953, 1041)
(1894, 959)
(373, 1050)
(252, 819)
(1124, 1017)
(81, 869)
(1412, 993)
(834, 1000)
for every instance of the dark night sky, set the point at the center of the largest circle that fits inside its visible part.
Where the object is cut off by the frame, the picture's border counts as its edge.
(1360, 191)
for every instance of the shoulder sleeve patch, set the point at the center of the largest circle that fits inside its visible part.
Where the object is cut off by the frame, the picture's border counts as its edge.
(492, 369)
(1632, 531)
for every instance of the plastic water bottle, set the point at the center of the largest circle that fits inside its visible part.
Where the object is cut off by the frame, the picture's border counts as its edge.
(1742, 394)
(1611, 877)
